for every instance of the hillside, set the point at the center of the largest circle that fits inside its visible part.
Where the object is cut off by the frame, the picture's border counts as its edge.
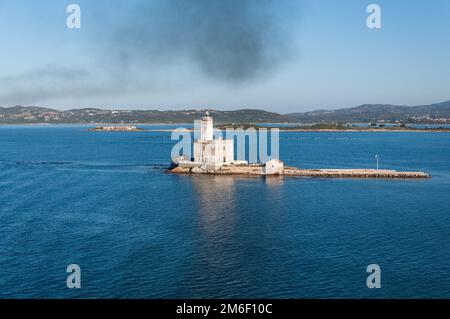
(377, 112)
(23, 115)
(434, 113)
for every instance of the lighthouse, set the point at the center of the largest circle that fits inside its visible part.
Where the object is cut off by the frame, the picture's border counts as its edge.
(210, 151)
(206, 128)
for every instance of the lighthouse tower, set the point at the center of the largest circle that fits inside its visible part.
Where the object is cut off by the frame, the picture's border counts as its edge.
(209, 151)
(206, 128)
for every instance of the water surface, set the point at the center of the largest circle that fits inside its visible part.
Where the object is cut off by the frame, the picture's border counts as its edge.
(104, 201)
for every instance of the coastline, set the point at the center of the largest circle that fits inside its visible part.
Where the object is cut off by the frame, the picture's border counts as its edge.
(330, 130)
(281, 129)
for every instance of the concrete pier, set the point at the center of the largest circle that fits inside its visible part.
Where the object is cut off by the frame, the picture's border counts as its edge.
(255, 170)
(354, 173)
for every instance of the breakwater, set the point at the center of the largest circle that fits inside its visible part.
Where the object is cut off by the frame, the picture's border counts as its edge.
(254, 170)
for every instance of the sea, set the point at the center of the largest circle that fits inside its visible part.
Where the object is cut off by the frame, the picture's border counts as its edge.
(104, 201)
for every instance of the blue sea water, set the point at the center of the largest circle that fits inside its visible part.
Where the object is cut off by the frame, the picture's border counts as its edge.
(105, 202)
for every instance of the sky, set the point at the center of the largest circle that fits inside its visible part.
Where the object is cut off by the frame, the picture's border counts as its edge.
(278, 55)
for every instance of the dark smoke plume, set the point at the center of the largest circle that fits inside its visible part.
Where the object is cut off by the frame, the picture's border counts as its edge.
(228, 40)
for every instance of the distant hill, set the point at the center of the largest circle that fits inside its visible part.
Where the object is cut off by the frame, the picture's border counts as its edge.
(377, 112)
(23, 115)
(434, 113)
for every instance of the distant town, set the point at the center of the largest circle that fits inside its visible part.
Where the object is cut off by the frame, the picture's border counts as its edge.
(115, 128)
(438, 113)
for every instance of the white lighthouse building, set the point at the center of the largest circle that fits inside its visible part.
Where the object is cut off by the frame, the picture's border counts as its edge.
(213, 153)
(216, 155)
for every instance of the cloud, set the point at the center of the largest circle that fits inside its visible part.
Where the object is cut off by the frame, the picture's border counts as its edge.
(38, 84)
(231, 41)
(142, 47)
(52, 72)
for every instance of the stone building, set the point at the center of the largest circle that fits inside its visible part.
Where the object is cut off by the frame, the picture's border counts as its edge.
(273, 167)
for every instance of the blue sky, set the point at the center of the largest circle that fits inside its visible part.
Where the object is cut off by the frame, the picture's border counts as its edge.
(316, 54)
